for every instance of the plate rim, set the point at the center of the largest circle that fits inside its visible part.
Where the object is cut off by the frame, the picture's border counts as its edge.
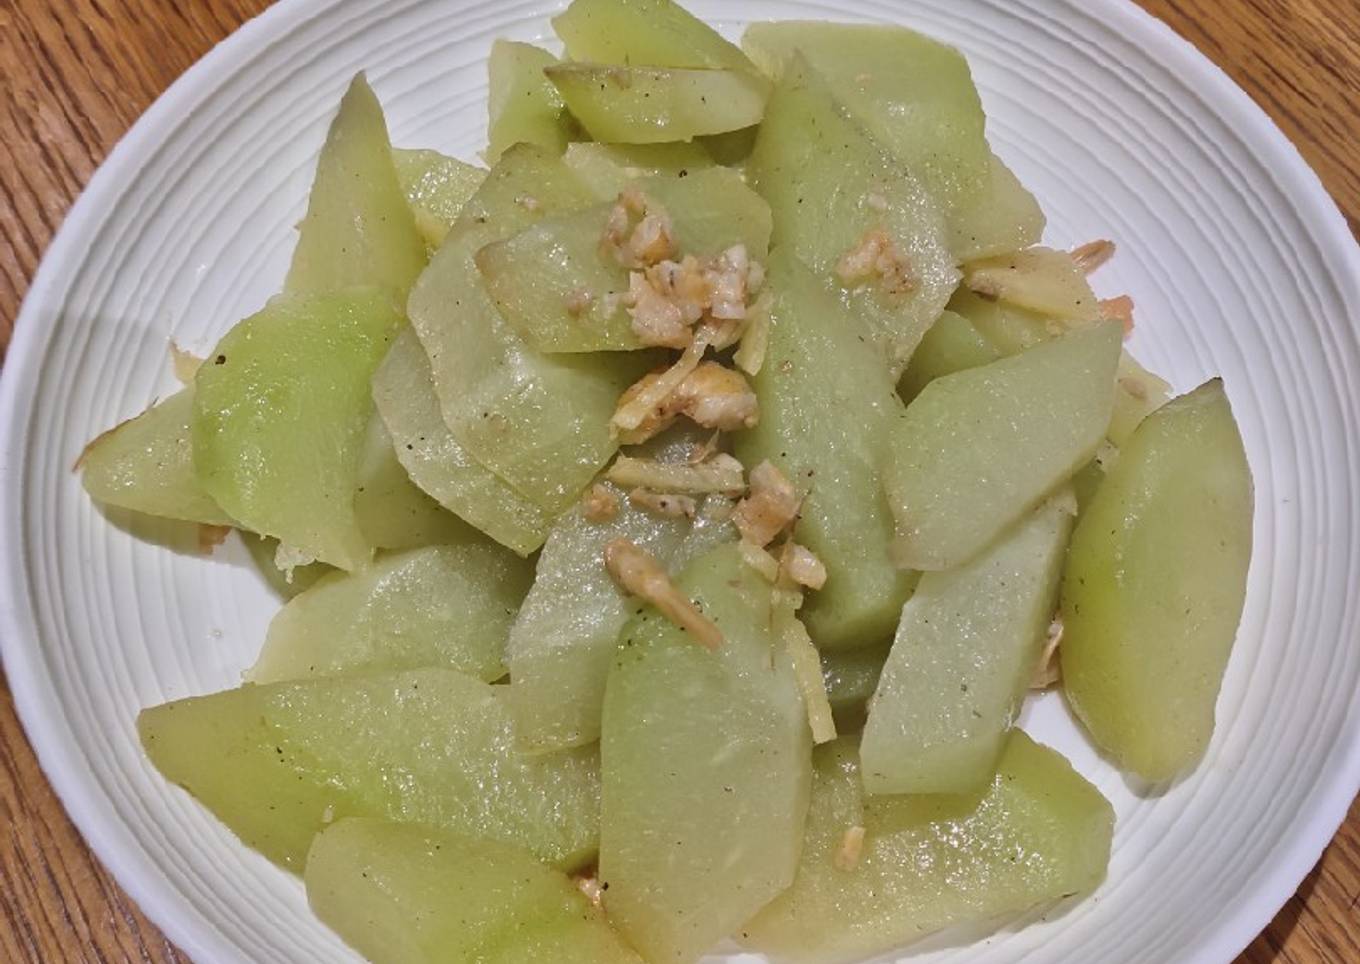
(54, 744)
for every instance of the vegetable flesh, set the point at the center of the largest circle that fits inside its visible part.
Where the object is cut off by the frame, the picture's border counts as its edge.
(275, 763)
(656, 32)
(441, 606)
(827, 408)
(966, 650)
(951, 345)
(850, 678)
(979, 448)
(523, 105)
(705, 768)
(393, 513)
(436, 188)
(1038, 832)
(830, 185)
(1155, 584)
(535, 276)
(563, 642)
(281, 409)
(999, 218)
(359, 229)
(146, 464)
(540, 422)
(913, 95)
(409, 894)
(606, 169)
(403, 391)
(650, 105)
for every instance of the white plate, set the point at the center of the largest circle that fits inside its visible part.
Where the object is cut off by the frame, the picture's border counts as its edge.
(1238, 262)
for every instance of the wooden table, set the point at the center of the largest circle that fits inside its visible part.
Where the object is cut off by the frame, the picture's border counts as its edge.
(75, 74)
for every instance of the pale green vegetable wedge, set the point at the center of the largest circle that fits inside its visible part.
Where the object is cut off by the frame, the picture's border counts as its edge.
(979, 448)
(1001, 217)
(410, 894)
(563, 642)
(437, 464)
(146, 464)
(276, 763)
(706, 768)
(540, 422)
(951, 345)
(966, 649)
(359, 230)
(850, 677)
(832, 190)
(1041, 280)
(281, 409)
(913, 94)
(442, 606)
(263, 551)
(523, 105)
(1037, 833)
(606, 169)
(827, 408)
(1155, 583)
(436, 188)
(393, 513)
(1010, 329)
(650, 32)
(540, 277)
(652, 105)
(1138, 393)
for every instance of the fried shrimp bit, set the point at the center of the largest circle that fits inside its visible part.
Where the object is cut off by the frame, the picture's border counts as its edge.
(638, 573)
(1048, 672)
(706, 392)
(771, 506)
(669, 504)
(1119, 309)
(876, 257)
(599, 504)
(1090, 256)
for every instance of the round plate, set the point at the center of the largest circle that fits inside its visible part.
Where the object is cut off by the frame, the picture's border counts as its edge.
(1238, 261)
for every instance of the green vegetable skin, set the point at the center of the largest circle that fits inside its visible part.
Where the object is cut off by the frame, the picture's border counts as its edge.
(966, 649)
(563, 642)
(827, 408)
(978, 448)
(540, 422)
(146, 464)
(829, 184)
(448, 606)
(407, 894)
(706, 768)
(1037, 833)
(437, 463)
(1155, 583)
(281, 409)
(276, 763)
(533, 276)
(359, 229)
(523, 105)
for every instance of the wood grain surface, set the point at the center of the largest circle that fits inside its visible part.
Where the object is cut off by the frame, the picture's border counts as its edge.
(75, 74)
